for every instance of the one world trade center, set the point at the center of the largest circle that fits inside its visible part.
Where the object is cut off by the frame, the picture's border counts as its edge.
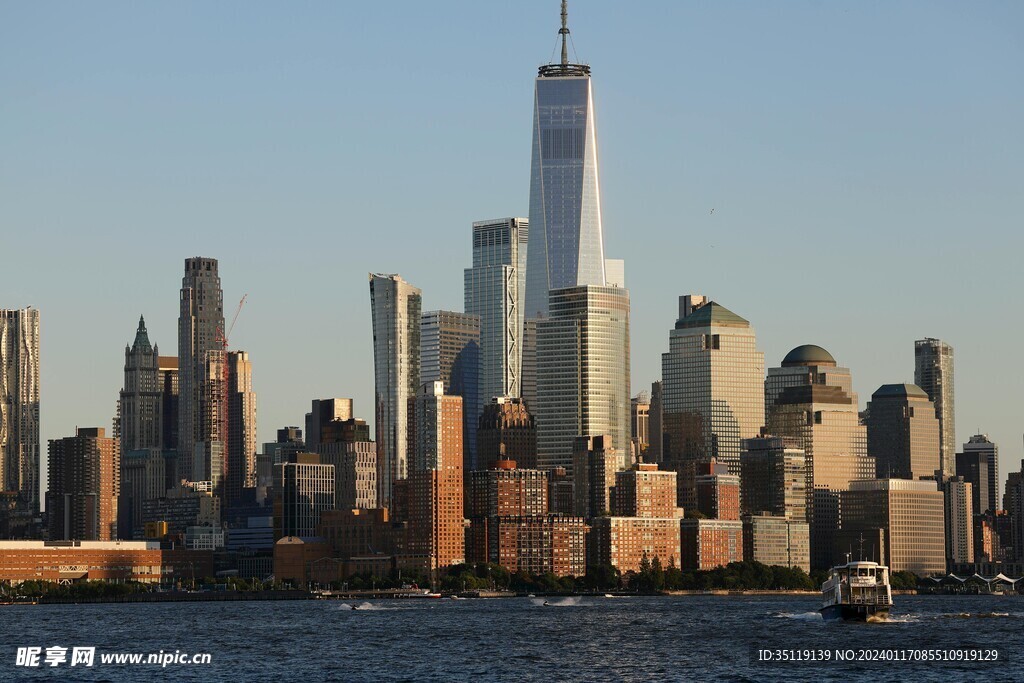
(566, 244)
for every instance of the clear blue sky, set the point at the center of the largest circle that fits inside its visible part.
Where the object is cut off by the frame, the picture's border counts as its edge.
(864, 161)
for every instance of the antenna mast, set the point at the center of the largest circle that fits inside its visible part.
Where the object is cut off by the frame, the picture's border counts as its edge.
(564, 32)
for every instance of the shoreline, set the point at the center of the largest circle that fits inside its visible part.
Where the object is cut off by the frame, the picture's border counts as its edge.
(249, 596)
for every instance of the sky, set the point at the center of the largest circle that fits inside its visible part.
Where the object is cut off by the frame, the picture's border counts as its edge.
(847, 174)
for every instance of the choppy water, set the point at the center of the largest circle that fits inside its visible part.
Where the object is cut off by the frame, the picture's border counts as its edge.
(588, 638)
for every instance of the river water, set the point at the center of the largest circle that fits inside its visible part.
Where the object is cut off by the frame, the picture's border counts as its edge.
(521, 639)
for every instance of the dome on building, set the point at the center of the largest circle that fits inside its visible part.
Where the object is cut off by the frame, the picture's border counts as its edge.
(808, 354)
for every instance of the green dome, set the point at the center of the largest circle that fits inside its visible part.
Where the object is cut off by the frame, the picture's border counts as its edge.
(808, 354)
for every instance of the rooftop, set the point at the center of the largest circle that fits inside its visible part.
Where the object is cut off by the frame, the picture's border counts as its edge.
(808, 354)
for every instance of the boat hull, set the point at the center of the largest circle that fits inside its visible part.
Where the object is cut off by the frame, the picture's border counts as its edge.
(854, 612)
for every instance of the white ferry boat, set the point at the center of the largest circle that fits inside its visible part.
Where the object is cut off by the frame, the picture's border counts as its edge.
(857, 591)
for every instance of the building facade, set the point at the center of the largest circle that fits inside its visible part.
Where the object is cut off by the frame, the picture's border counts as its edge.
(450, 353)
(909, 513)
(712, 389)
(594, 465)
(139, 407)
(507, 431)
(395, 307)
(200, 329)
(933, 372)
(903, 432)
(979, 464)
(304, 489)
(495, 289)
(566, 246)
(436, 530)
(84, 482)
(959, 518)
(582, 372)
(708, 543)
(777, 542)
(773, 478)
(19, 407)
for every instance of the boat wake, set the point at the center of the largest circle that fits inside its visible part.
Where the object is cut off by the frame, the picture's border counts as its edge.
(803, 616)
(361, 607)
(558, 602)
(980, 615)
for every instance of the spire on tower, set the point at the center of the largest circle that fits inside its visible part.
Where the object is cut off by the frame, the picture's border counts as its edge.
(564, 32)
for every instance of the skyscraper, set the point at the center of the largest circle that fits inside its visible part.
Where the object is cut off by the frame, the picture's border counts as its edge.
(323, 412)
(395, 308)
(200, 322)
(566, 246)
(933, 372)
(141, 414)
(19, 406)
(582, 372)
(450, 353)
(436, 533)
(979, 464)
(712, 389)
(903, 432)
(773, 478)
(81, 502)
(495, 289)
(241, 427)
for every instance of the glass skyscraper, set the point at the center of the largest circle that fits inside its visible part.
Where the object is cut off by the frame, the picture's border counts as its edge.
(712, 383)
(566, 243)
(495, 287)
(582, 372)
(395, 308)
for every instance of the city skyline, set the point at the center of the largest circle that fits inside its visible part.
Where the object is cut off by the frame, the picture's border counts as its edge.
(289, 369)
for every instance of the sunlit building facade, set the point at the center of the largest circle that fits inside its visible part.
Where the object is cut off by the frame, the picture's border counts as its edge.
(582, 372)
(712, 390)
(19, 406)
(395, 308)
(903, 432)
(933, 372)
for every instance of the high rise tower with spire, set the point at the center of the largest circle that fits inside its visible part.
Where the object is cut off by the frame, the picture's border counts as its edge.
(566, 246)
(140, 411)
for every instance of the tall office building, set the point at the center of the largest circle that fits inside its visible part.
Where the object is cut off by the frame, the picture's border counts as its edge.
(933, 372)
(395, 308)
(640, 423)
(450, 353)
(773, 478)
(495, 290)
(19, 407)
(84, 480)
(323, 412)
(717, 492)
(436, 532)
(304, 489)
(200, 323)
(903, 432)
(507, 431)
(712, 389)
(655, 425)
(241, 427)
(566, 243)
(595, 462)
(346, 445)
(959, 511)
(582, 372)
(979, 464)
(141, 412)
(911, 516)
(810, 399)
(169, 404)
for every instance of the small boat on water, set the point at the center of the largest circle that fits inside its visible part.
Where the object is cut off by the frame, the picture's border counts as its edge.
(857, 591)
